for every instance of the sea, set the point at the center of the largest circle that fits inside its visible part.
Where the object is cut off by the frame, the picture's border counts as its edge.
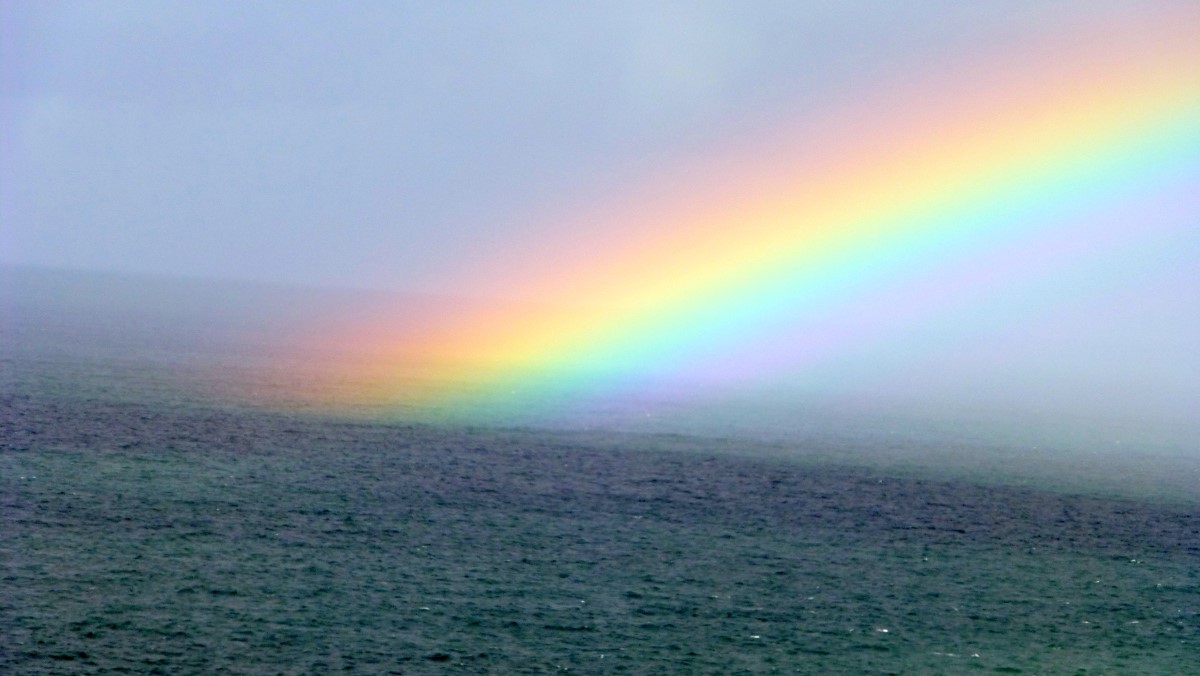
(149, 526)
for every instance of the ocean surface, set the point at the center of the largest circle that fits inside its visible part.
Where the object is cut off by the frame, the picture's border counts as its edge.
(149, 528)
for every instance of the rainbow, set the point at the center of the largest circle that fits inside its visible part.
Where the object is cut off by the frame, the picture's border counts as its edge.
(808, 239)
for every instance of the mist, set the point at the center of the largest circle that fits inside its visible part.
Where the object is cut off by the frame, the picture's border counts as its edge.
(1115, 381)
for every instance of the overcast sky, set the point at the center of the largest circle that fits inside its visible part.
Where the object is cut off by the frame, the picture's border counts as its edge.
(382, 144)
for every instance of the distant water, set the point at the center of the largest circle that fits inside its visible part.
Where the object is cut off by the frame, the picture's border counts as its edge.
(149, 526)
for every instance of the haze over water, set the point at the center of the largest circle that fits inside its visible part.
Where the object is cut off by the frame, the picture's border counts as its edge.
(225, 344)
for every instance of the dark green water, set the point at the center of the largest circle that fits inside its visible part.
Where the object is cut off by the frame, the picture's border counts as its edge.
(156, 538)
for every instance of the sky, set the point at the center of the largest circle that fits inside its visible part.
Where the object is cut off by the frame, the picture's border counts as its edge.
(611, 175)
(383, 146)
